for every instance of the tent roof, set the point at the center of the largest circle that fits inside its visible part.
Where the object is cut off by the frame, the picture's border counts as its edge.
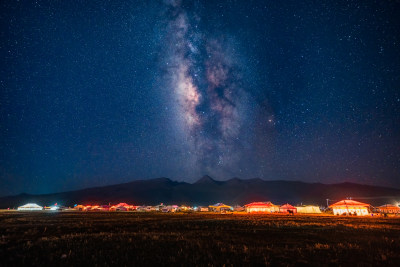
(260, 204)
(31, 205)
(220, 205)
(122, 204)
(349, 202)
(287, 206)
(389, 206)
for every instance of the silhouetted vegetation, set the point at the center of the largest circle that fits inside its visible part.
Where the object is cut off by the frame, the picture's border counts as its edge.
(132, 238)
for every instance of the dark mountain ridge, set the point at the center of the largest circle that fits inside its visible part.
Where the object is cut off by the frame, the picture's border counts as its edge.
(208, 191)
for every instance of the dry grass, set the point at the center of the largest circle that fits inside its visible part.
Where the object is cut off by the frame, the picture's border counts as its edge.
(127, 238)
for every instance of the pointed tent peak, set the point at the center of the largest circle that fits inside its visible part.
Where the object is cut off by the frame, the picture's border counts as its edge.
(259, 204)
(205, 179)
(122, 204)
(219, 205)
(287, 206)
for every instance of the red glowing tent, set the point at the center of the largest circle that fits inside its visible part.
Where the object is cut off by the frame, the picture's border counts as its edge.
(287, 208)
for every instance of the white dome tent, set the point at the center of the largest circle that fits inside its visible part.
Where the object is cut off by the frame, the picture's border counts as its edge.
(30, 207)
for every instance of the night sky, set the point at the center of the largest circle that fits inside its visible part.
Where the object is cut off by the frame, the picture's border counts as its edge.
(104, 92)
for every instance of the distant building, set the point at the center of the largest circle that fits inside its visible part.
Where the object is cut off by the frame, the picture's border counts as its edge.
(389, 209)
(30, 207)
(308, 209)
(261, 207)
(350, 207)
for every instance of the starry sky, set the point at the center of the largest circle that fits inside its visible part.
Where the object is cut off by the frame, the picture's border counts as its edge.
(103, 92)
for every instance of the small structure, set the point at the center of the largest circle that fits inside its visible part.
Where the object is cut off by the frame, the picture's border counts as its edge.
(160, 207)
(389, 209)
(104, 207)
(95, 208)
(30, 207)
(220, 207)
(239, 208)
(261, 207)
(287, 208)
(79, 207)
(170, 208)
(141, 208)
(201, 208)
(184, 208)
(350, 207)
(121, 207)
(308, 209)
(54, 207)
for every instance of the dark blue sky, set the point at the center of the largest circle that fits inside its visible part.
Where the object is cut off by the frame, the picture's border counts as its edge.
(107, 92)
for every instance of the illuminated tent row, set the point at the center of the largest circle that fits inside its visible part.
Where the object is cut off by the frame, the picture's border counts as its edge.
(118, 207)
(268, 207)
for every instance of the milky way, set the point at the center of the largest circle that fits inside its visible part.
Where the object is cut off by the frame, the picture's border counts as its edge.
(205, 85)
(96, 93)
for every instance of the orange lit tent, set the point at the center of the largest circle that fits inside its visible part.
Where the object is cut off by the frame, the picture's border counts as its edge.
(388, 208)
(79, 207)
(308, 209)
(261, 207)
(287, 208)
(121, 207)
(350, 206)
(220, 207)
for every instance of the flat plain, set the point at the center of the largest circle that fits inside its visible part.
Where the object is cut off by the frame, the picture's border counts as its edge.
(203, 239)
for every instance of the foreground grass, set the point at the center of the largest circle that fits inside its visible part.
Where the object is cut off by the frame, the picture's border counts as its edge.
(127, 238)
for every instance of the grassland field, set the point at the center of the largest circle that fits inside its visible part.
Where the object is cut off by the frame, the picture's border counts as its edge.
(195, 239)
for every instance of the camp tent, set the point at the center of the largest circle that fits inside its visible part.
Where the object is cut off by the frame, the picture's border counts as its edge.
(350, 206)
(184, 208)
(308, 209)
(201, 208)
(170, 208)
(121, 207)
(219, 207)
(287, 208)
(104, 207)
(239, 208)
(30, 207)
(79, 207)
(261, 207)
(388, 208)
